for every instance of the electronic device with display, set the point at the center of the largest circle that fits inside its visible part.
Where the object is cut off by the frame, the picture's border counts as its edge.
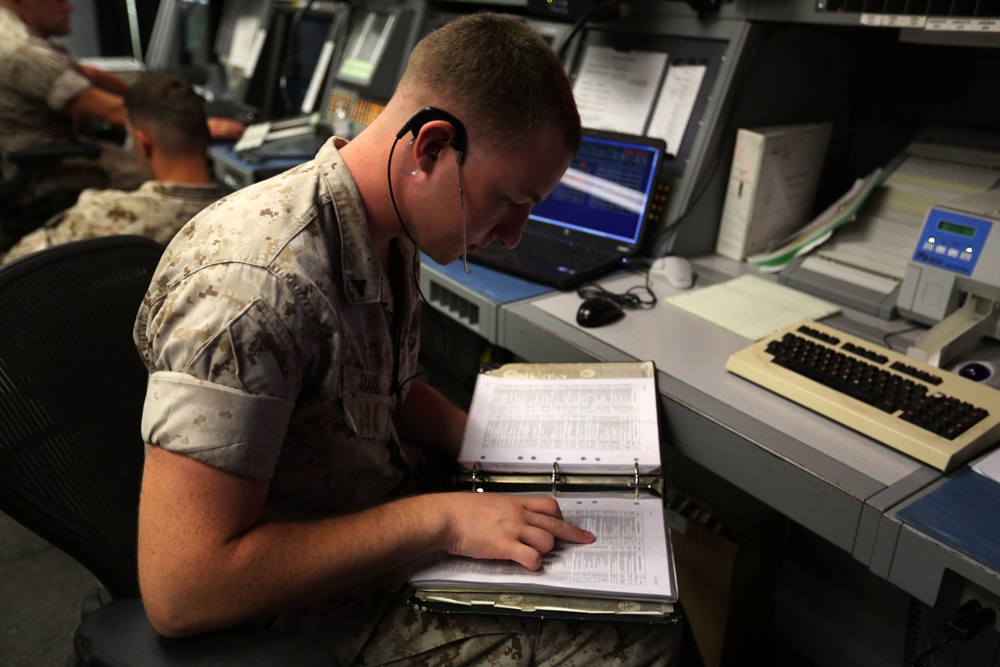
(953, 279)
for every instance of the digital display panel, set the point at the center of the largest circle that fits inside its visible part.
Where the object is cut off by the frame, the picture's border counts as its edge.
(955, 228)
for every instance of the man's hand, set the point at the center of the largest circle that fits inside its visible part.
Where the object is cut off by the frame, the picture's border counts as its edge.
(224, 129)
(517, 528)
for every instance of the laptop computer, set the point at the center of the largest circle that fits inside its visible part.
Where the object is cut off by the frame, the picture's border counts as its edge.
(594, 219)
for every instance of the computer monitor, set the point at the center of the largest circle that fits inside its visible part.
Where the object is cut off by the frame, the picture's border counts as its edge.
(238, 41)
(183, 37)
(298, 44)
(380, 36)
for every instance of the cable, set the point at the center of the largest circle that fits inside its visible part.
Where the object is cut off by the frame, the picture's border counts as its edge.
(967, 622)
(397, 384)
(637, 297)
(720, 152)
(563, 46)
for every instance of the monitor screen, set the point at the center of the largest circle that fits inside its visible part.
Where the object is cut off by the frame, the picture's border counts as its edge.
(295, 48)
(306, 55)
(606, 189)
(366, 47)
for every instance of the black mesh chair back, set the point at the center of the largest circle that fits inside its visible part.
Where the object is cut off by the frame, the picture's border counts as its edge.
(72, 389)
(71, 393)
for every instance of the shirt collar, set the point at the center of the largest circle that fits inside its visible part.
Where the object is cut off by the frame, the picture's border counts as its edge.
(363, 278)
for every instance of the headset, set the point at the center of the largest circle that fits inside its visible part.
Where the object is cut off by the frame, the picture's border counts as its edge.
(459, 142)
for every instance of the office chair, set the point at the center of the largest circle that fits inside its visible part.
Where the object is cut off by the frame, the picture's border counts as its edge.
(72, 388)
(18, 219)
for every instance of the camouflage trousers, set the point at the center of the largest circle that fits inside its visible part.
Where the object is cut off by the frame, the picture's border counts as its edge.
(454, 640)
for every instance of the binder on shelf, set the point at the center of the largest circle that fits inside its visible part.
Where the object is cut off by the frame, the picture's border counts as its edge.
(586, 434)
(772, 184)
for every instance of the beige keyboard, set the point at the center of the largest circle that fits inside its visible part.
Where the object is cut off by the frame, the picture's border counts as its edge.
(930, 414)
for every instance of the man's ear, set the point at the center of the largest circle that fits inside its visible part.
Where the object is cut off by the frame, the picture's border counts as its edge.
(142, 143)
(431, 141)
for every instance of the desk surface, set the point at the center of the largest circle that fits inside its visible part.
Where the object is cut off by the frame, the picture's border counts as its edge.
(815, 471)
(836, 482)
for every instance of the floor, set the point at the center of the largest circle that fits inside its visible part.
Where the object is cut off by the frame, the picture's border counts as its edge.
(41, 590)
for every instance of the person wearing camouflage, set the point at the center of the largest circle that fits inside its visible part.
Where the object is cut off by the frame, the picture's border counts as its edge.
(292, 450)
(165, 118)
(45, 92)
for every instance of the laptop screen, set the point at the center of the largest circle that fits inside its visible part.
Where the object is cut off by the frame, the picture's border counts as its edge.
(607, 189)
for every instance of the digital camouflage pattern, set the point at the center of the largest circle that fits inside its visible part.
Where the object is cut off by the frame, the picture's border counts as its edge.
(156, 210)
(38, 79)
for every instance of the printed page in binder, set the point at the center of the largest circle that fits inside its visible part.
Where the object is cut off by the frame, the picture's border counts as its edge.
(630, 560)
(588, 420)
(582, 424)
(751, 306)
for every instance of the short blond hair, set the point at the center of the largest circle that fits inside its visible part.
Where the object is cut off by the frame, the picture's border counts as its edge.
(499, 72)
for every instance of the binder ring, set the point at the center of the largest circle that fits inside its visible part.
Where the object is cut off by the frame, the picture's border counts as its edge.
(475, 476)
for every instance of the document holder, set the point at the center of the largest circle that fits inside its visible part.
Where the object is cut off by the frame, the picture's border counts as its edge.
(586, 434)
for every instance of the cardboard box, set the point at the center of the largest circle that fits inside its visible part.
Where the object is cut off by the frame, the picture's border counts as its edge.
(772, 184)
(726, 576)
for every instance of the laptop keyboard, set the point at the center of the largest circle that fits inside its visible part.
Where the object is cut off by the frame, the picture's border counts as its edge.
(560, 250)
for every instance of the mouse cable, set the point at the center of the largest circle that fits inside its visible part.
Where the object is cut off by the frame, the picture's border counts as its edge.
(637, 297)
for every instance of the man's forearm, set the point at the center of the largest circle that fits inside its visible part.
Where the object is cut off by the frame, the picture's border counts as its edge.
(106, 81)
(276, 567)
(430, 421)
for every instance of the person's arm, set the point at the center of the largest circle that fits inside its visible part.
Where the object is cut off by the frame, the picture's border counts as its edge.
(224, 129)
(106, 81)
(93, 102)
(430, 421)
(207, 562)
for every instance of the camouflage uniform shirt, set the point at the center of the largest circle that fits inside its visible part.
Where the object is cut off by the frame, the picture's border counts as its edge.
(156, 210)
(270, 331)
(38, 79)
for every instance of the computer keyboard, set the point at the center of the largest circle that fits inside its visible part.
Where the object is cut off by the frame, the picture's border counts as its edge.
(232, 109)
(934, 416)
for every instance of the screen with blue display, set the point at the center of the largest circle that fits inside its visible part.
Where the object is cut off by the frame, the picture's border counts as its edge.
(605, 191)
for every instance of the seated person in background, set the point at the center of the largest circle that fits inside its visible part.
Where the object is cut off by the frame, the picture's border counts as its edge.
(45, 94)
(165, 120)
(290, 442)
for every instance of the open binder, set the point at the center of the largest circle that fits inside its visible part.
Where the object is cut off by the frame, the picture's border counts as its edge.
(587, 434)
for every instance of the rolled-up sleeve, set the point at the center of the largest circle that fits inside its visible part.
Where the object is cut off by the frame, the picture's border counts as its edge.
(65, 88)
(44, 72)
(225, 371)
(222, 427)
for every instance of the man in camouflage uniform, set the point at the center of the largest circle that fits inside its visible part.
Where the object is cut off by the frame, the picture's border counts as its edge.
(287, 434)
(165, 119)
(45, 92)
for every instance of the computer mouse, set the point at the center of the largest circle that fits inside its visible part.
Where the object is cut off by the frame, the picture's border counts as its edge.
(674, 270)
(598, 311)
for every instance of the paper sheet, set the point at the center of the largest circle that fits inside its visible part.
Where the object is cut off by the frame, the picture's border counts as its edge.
(629, 558)
(585, 425)
(751, 306)
(614, 90)
(676, 103)
(988, 465)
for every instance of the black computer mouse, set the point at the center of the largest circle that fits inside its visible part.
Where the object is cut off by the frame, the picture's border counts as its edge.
(598, 311)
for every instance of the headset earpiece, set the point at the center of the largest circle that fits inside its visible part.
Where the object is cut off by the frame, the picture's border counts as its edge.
(459, 142)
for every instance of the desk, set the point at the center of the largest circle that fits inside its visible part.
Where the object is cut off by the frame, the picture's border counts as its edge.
(234, 172)
(833, 481)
